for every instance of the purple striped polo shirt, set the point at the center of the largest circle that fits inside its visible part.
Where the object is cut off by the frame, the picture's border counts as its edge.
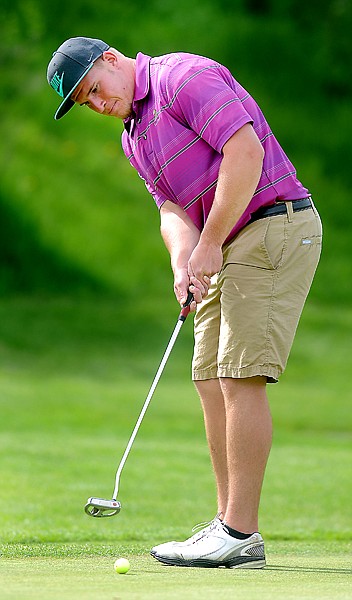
(185, 108)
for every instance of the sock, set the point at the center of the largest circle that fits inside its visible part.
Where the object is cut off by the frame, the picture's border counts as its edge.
(234, 533)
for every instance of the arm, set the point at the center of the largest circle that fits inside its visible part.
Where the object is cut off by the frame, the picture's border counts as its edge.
(180, 236)
(239, 174)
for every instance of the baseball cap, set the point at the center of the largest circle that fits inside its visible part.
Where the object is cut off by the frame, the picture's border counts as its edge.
(69, 64)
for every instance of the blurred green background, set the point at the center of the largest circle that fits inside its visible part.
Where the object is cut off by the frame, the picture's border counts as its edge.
(86, 301)
(73, 214)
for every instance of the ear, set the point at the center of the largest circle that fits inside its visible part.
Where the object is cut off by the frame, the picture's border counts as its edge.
(109, 56)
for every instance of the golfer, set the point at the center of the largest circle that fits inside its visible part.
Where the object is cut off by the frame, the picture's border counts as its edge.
(243, 236)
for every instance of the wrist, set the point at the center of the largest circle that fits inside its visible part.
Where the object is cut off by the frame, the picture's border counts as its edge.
(211, 239)
(178, 268)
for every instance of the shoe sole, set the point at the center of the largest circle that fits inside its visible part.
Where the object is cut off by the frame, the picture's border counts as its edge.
(238, 562)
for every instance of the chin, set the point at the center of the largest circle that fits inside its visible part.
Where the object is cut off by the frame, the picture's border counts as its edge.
(121, 112)
(126, 115)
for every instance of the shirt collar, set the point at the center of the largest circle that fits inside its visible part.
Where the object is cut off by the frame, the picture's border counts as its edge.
(141, 87)
(142, 77)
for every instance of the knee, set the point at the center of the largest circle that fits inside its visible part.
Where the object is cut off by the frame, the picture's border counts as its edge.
(243, 388)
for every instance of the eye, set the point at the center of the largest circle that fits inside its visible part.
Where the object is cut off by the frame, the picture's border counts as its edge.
(93, 90)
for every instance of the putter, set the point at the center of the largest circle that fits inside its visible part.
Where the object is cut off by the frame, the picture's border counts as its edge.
(98, 507)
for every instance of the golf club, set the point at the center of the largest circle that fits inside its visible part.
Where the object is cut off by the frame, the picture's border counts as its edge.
(98, 507)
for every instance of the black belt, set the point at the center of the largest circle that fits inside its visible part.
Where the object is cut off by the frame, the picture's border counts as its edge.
(280, 209)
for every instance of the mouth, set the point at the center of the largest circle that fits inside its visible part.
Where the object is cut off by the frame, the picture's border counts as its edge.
(112, 108)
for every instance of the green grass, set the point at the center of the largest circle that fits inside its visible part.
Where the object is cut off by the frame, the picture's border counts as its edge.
(306, 571)
(74, 374)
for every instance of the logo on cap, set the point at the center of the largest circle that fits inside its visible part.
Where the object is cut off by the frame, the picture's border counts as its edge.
(57, 82)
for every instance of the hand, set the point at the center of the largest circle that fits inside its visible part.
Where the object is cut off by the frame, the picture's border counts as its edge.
(181, 287)
(205, 260)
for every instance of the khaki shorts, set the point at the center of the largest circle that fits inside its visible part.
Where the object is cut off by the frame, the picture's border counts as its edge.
(246, 325)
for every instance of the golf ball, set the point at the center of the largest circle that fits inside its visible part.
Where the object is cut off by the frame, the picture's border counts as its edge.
(121, 565)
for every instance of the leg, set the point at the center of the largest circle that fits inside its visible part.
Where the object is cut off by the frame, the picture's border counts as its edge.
(239, 432)
(248, 439)
(212, 400)
(238, 427)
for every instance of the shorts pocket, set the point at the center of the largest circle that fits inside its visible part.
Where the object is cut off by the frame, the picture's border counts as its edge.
(273, 244)
(261, 244)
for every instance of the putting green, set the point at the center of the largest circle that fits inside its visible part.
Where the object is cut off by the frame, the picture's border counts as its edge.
(295, 570)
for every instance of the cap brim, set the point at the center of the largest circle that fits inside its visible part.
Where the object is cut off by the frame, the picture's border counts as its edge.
(68, 103)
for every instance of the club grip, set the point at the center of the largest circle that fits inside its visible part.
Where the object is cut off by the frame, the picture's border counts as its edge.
(186, 307)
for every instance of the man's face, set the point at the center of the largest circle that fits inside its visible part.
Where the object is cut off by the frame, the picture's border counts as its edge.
(107, 89)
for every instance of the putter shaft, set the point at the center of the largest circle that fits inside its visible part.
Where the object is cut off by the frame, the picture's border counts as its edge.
(158, 374)
(98, 507)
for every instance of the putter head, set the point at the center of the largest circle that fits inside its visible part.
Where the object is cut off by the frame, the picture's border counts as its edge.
(98, 507)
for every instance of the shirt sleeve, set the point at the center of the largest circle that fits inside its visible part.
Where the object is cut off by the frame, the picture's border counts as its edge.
(158, 197)
(205, 97)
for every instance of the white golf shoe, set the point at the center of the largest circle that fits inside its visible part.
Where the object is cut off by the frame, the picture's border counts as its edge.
(215, 548)
(200, 530)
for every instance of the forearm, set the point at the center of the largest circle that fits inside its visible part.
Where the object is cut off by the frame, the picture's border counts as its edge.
(238, 178)
(179, 233)
(180, 236)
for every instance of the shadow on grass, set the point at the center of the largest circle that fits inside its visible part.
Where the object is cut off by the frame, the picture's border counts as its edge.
(297, 569)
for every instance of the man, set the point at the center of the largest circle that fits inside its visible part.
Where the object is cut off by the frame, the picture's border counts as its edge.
(244, 238)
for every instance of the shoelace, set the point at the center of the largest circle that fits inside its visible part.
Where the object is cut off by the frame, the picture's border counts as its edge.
(206, 525)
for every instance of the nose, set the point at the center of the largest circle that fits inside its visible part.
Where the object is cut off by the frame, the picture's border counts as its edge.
(97, 104)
